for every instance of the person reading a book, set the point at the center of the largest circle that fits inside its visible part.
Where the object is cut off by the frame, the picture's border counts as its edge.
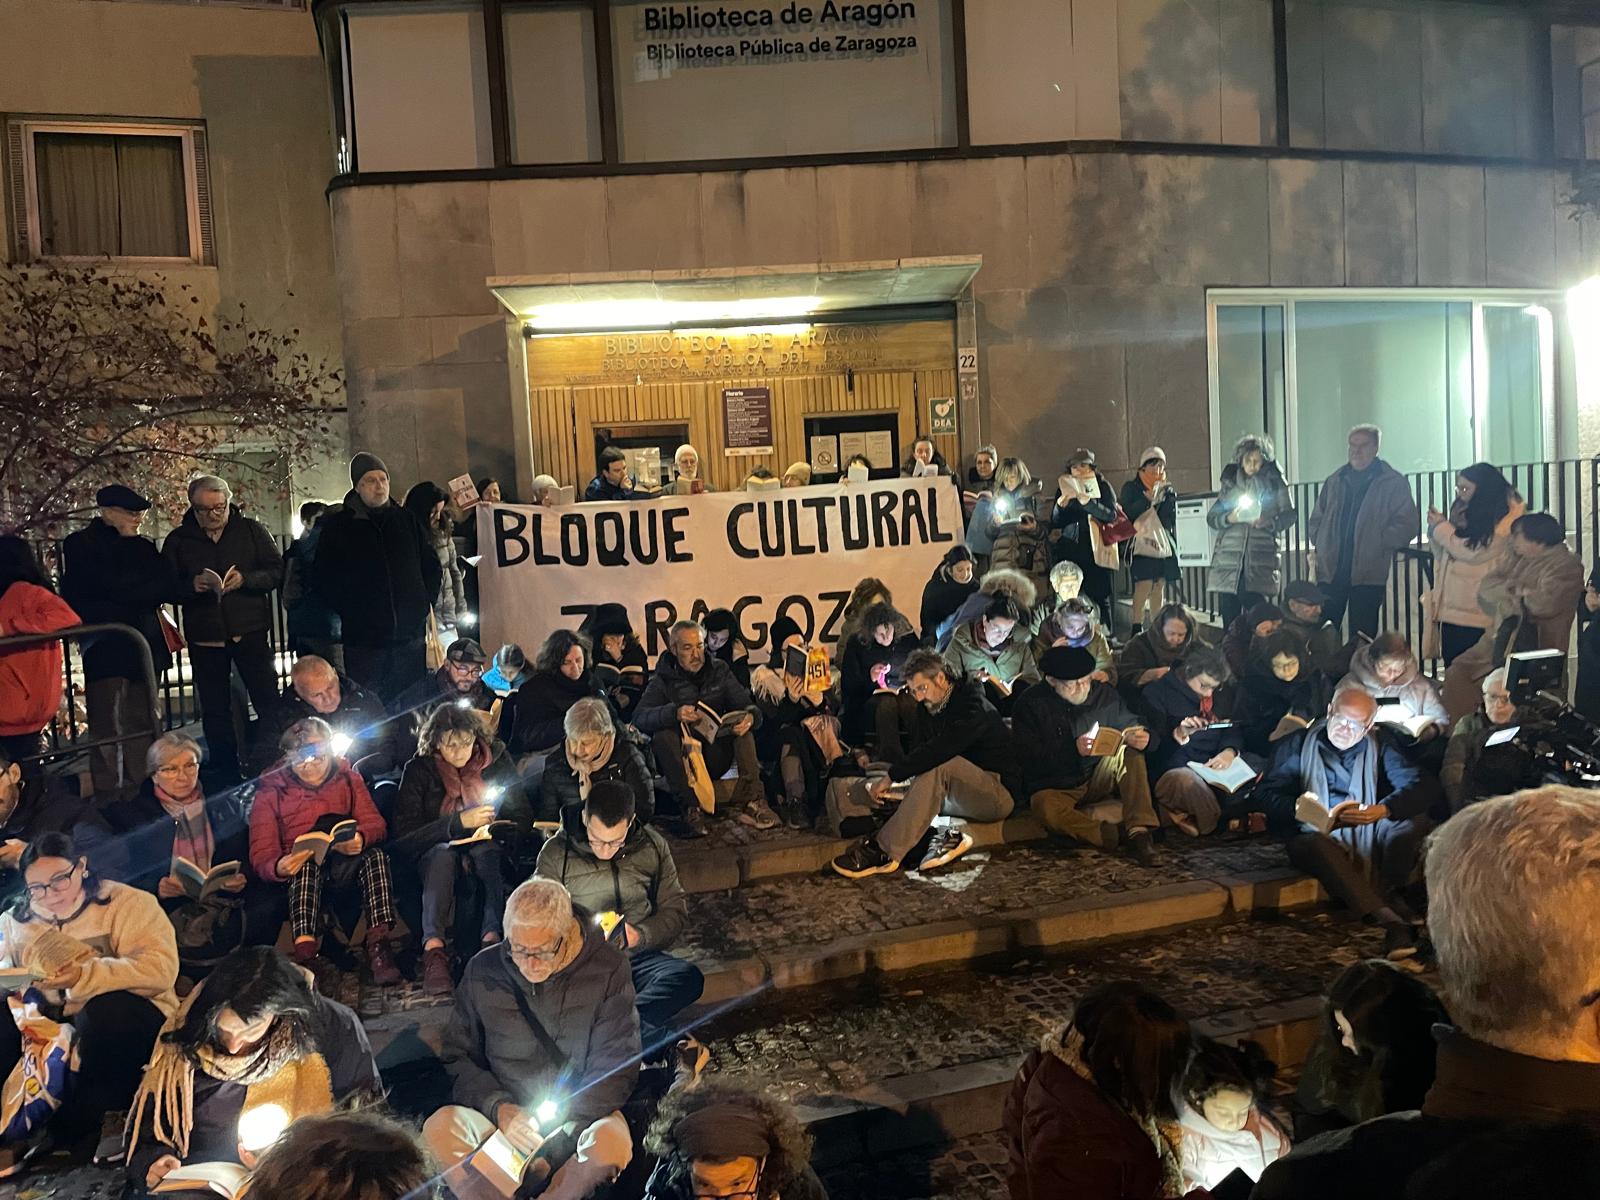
(1280, 691)
(1193, 731)
(1302, 614)
(1259, 621)
(1018, 541)
(960, 763)
(458, 681)
(1084, 504)
(460, 809)
(686, 466)
(1076, 622)
(344, 1156)
(104, 958)
(1081, 750)
(871, 668)
(188, 849)
(254, 1037)
(800, 729)
(952, 582)
(996, 651)
(1485, 755)
(620, 663)
(723, 641)
(561, 677)
(315, 831)
(596, 749)
(623, 873)
(924, 459)
(718, 1139)
(686, 678)
(1407, 699)
(1226, 1114)
(542, 1047)
(1149, 655)
(1354, 810)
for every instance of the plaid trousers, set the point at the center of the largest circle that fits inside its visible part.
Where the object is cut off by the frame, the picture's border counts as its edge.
(339, 873)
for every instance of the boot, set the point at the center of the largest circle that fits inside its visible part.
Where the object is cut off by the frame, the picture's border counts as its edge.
(380, 958)
(436, 979)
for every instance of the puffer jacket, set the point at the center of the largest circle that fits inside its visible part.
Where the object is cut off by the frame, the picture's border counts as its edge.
(672, 686)
(1013, 660)
(30, 679)
(587, 1010)
(1540, 592)
(640, 881)
(1386, 524)
(1415, 691)
(1210, 1154)
(452, 601)
(559, 787)
(245, 544)
(1458, 571)
(1020, 547)
(1245, 557)
(285, 808)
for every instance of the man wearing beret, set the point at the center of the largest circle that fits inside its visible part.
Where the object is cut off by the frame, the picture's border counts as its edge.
(375, 566)
(1066, 774)
(112, 575)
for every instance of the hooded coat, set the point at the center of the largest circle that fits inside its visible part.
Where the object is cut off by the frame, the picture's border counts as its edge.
(941, 599)
(1245, 558)
(377, 569)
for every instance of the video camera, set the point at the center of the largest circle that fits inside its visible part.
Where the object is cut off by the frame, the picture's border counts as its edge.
(1562, 741)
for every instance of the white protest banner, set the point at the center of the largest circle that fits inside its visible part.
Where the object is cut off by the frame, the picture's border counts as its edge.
(796, 552)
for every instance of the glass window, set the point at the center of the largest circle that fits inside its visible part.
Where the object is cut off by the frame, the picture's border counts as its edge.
(1250, 375)
(706, 82)
(420, 88)
(1517, 348)
(551, 94)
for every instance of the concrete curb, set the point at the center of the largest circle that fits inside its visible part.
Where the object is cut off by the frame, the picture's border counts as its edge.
(933, 1107)
(723, 868)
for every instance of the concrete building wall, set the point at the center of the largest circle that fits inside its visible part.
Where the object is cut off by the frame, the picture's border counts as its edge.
(255, 76)
(1090, 303)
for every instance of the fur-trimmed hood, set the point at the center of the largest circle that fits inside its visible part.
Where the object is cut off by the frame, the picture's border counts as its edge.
(1003, 581)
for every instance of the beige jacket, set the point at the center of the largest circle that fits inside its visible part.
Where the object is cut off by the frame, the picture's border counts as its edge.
(136, 950)
(1541, 591)
(1458, 571)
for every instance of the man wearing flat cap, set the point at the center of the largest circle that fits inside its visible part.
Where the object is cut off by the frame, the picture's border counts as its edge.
(458, 681)
(112, 574)
(1067, 775)
(377, 569)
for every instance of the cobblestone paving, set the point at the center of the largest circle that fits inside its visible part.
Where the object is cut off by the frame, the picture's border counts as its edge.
(811, 909)
(970, 1169)
(838, 1039)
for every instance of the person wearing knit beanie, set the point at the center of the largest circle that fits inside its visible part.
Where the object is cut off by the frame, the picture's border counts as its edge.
(1152, 454)
(362, 463)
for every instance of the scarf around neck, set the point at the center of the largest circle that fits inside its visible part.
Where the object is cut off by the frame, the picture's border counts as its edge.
(194, 838)
(463, 786)
(585, 768)
(1314, 772)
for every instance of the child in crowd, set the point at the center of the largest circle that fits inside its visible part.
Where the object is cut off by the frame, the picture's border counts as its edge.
(1226, 1127)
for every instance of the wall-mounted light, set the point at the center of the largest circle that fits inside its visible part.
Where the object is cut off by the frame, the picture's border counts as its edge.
(661, 314)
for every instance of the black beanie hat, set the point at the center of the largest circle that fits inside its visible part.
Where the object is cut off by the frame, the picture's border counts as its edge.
(1067, 663)
(364, 462)
(783, 629)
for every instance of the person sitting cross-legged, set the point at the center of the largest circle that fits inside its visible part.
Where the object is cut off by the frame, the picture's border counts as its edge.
(1180, 707)
(961, 763)
(1055, 730)
(1378, 801)
(617, 868)
(253, 1038)
(543, 1044)
(687, 676)
(461, 781)
(312, 790)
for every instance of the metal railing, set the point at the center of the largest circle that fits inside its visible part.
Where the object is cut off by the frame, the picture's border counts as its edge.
(58, 746)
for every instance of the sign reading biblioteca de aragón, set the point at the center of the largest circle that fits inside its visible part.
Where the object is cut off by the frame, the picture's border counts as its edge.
(709, 35)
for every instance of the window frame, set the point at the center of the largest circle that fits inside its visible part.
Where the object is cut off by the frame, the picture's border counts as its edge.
(196, 185)
(1478, 298)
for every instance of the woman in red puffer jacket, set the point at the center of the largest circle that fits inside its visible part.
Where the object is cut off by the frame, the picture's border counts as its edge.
(30, 679)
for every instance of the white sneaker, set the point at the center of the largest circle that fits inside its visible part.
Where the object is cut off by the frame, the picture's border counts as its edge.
(948, 844)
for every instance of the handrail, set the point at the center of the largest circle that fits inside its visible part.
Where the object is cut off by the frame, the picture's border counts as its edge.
(22, 641)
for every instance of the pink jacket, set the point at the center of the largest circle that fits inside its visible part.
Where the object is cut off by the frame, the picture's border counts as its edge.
(285, 808)
(1208, 1154)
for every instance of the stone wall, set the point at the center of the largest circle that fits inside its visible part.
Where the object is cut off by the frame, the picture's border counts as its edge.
(1090, 302)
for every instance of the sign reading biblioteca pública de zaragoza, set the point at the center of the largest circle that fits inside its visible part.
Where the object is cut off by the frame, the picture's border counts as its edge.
(708, 35)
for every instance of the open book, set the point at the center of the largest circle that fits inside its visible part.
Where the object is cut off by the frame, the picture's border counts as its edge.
(1230, 779)
(608, 675)
(320, 841)
(53, 952)
(1106, 741)
(501, 1163)
(1287, 724)
(202, 885)
(1313, 812)
(223, 1178)
(213, 581)
(710, 724)
(686, 487)
(485, 833)
(1397, 722)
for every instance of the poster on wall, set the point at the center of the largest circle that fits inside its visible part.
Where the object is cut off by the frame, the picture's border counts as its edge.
(825, 454)
(942, 414)
(795, 553)
(747, 420)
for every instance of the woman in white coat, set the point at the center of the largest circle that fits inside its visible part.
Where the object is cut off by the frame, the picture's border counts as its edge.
(1466, 544)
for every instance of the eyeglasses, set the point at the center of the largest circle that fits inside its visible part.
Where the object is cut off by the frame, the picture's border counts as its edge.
(609, 843)
(542, 954)
(56, 884)
(1348, 724)
(749, 1193)
(215, 510)
(182, 768)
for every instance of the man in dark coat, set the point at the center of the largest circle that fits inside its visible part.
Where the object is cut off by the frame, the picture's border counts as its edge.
(375, 566)
(686, 676)
(612, 483)
(1373, 801)
(317, 690)
(110, 574)
(1055, 728)
(227, 567)
(543, 1043)
(1524, 1056)
(961, 763)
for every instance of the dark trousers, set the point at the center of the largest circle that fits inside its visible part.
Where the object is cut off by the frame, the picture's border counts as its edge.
(663, 986)
(1455, 640)
(1365, 601)
(213, 685)
(719, 755)
(1231, 605)
(438, 869)
(119, 706)
(1349, 881)
(116, 1032)
(1097, 583)
(388, 669)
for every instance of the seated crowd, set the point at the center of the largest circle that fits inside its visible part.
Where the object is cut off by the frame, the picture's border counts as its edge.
(495, 828)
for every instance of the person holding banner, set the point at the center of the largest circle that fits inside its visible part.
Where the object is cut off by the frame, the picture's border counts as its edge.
(673, 710)
(961, 763)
